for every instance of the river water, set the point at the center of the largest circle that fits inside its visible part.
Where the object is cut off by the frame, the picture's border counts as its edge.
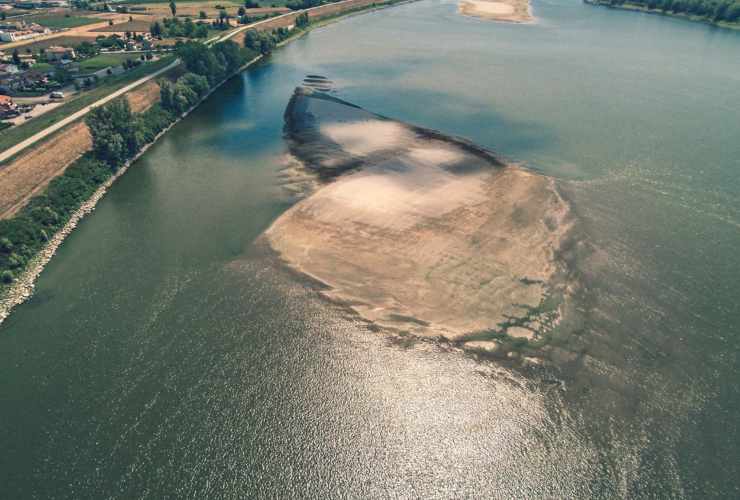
(165, 355)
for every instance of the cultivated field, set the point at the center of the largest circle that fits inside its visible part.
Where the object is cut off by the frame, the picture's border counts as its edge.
(61, 21)
(211, 8)
(33, 170)
(140, 25)
(27, 175)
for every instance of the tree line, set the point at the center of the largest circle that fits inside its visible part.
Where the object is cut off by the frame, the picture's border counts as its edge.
(264, 42)
(711, 10)
(118, 135)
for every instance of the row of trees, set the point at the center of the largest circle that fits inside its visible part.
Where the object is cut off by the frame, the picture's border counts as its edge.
(182, 95)
(173, 27)
(711, 10)
(304, 4)
(118, 135)
(264, 42)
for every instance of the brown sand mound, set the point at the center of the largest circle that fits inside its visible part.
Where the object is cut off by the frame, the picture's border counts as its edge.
(515, 11)
(421, 232)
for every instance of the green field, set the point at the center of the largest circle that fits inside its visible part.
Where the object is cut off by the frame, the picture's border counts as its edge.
(61, 21)
(14, 135)
(224, 2)
(134, 26)
(103, 61)
(42, 67)
(64, 41)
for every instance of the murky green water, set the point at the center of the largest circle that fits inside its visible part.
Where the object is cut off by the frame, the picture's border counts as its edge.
(164, 355)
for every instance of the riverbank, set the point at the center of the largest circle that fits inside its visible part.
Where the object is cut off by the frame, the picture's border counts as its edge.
(512, 11)
(681, 15)
(21, 287)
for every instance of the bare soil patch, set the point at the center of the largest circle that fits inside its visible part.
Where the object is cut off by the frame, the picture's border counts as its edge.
(144, 97)
(29, 174)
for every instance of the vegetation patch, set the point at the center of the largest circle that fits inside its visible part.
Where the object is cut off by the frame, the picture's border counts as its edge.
(104, 61)
(16, 134)
(64, 21)
(720, 12)
(118, 135)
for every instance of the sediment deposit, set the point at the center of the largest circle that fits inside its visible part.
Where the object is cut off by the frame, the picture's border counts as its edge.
(418, 231)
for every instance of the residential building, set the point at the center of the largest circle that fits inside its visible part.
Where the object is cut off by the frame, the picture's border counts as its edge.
(57, 53)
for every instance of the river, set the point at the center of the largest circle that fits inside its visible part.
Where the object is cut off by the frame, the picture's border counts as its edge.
(165, 355)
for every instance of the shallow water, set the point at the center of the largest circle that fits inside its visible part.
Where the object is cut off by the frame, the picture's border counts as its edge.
(163, 355)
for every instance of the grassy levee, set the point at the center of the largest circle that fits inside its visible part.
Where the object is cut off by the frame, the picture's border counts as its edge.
(29, 238)
(60, 21)
(13, 136)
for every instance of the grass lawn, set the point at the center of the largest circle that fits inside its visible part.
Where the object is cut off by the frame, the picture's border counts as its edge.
(61, 21)
(103, 61)
(42, 67)
(14, 135)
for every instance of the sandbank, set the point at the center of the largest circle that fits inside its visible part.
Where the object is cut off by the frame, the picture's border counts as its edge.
(515, 11)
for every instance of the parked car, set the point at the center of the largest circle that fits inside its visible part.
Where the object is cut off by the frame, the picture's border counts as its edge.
(57, 95)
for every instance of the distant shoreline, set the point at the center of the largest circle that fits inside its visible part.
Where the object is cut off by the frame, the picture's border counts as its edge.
(679, 15)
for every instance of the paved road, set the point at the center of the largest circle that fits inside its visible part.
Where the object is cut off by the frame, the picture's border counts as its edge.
(79, 114)
(8, 153)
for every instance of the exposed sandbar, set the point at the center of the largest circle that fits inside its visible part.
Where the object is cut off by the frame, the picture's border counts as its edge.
(514, 11)
(419, 231)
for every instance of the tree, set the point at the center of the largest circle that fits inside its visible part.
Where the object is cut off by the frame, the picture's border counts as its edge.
(302, 20)
(131, 19)
(241, 12)
(62, 76)
(7, 277)
(16, 57)
(87, 49)
(173, 8)
(3, 16)
(110, 22)
(114, 132)
(156, 29)
(202, 15)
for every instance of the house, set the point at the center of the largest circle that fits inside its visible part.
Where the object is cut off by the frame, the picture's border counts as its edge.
(13, 33)
(9, 69)
(27, 58)
(7, 107)
(57, 53)
(6, 103)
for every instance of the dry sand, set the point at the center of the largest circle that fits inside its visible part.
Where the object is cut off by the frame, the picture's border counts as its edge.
(516, 11)
(417, 231)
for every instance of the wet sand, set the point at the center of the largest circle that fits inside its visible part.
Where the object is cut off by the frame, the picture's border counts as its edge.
(516, 11)
(416, 231)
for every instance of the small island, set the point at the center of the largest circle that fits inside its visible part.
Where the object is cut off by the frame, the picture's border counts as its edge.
(419, 232)
(513, 11)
